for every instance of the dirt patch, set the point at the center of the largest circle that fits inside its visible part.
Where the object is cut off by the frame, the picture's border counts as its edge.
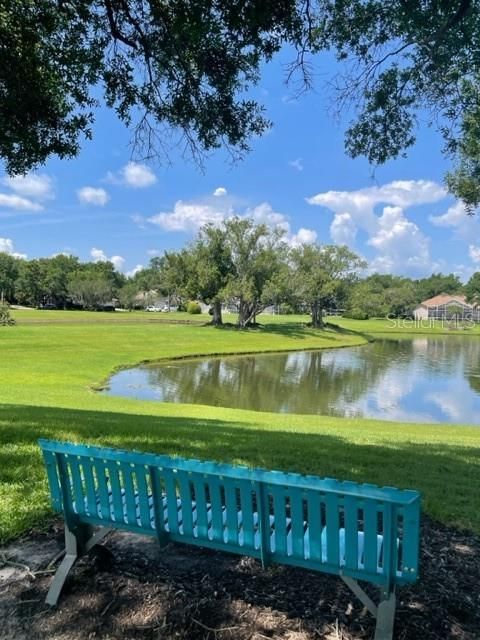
(128, 590)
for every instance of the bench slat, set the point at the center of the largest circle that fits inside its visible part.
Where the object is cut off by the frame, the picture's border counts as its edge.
(143, 496)
(314, 532)
(231, 508)
(130, 492)
(201, 526)
(186, 501)
(102, 487)
(53, 480)
(370, 542)
(73, 466)
(247, 529)
(297, 519)
(279, 509)
(89, 486)
(171, 494)
(216, 510)
(332, 527)
(351, 531)
(114, 484)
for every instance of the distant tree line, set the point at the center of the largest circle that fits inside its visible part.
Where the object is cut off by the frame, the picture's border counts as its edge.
(239, 265)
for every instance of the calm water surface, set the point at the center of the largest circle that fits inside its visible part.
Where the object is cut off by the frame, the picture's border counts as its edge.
(434, 379)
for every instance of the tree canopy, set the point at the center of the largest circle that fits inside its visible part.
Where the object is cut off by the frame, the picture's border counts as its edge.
(186, 66)
(238, 265)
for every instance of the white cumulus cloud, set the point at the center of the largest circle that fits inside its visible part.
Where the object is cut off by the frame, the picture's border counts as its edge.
(13, 201)
(6, 246)
(189, 216)
(456, 218)
(343, 229)
(138, 175)
(219, 192)
(265, 214)
(135, 270)
(474, 253)
(99, 255)
(401, 245)
(117, 262)
(303, 236)
(93, 195)
(32, 185)
(133, 174)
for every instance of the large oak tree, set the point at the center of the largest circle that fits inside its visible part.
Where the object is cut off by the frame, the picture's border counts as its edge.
(186, 65)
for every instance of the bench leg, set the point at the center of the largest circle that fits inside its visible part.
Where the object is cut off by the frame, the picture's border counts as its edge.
(77, 542)
(385, 618)
(383, 612)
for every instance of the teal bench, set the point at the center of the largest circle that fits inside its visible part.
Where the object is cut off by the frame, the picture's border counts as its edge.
(355, 531)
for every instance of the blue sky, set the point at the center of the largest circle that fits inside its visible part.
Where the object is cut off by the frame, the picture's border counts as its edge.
(103, 205)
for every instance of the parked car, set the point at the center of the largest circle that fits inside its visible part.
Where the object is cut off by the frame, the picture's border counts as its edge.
(152, 307)
(169, 308)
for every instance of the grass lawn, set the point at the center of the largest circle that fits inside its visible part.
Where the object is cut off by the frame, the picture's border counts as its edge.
(47, 371)
(403, 327)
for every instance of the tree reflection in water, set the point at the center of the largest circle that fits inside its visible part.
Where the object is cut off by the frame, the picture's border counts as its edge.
(425, 379)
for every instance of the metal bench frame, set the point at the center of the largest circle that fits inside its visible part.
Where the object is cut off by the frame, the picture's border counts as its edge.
(320, 524)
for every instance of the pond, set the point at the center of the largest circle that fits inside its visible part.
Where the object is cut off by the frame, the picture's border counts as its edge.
(424, 379)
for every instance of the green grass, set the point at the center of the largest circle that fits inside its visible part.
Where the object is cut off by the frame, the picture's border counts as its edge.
(403, 327)
(47, 372)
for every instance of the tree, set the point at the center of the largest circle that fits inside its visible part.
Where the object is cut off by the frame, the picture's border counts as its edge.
(401, 300)
(6, 319)
(436, 284)
(178, 64)
(472, 289)
(319, 272)
(29, 284)
(128, 295)
(91, 292)
(408, 60)
(257, 254)
(212, 264)
(368, 300)
(57, 272)
(8, 275)
(187, 65)
(170, 274)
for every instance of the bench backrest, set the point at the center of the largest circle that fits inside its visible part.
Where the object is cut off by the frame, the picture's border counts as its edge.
(358, 530)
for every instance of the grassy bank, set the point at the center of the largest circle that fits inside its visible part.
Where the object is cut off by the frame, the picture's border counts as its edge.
(404, 327)
(47, 372)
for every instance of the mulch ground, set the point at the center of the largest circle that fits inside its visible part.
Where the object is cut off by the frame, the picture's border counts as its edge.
(127, 590)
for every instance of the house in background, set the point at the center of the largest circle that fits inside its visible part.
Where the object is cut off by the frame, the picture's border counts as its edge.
(446, 306)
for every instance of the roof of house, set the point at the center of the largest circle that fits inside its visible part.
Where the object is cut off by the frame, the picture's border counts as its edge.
(444, 298)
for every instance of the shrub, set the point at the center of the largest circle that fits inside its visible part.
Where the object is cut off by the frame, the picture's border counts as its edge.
(356, 314)
(194, 308)
(5, 317)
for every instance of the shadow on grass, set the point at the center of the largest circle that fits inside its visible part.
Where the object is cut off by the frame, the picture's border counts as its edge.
(297, 330)
(447, 475)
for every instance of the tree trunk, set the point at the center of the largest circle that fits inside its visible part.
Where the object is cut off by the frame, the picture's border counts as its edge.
(217, 313)
(317, 316)
(242, 314)
(246, 312)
